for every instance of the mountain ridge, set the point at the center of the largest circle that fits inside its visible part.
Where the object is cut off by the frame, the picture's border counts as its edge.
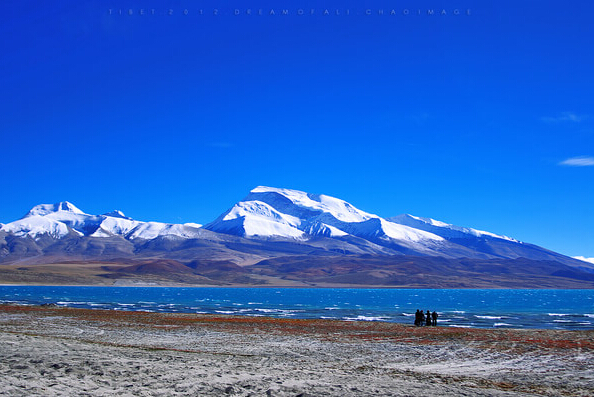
(272, 223)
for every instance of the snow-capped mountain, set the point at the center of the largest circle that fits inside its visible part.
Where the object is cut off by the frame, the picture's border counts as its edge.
(275, 237)
(268, 222)
(269, 212)
(272, 213)
(63, 219)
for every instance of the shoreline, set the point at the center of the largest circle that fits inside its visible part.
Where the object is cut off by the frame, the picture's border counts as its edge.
(283, 286)
(57, 350)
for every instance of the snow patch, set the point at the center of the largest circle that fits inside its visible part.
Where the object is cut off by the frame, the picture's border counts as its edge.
(35, 225)
(584, 259)
(430, 225)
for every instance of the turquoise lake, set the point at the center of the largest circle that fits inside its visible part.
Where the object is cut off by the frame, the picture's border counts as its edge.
(555, 309)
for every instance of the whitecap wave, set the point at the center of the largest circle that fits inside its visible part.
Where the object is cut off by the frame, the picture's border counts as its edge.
(502, 325)
(365, 318)
(268, 310)
(71, 303)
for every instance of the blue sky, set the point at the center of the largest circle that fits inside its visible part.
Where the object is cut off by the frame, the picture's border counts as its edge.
(483, 120)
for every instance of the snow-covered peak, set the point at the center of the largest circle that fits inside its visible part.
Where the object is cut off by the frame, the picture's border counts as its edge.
(62, 219)
(269, 211)
(46, 209)
(281, 199)
(116, 214)
(114, 225)
(443, 229)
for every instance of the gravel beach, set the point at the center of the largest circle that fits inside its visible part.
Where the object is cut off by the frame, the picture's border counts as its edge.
(52, 351)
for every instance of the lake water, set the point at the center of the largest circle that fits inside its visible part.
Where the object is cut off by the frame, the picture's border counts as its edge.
(560, 309)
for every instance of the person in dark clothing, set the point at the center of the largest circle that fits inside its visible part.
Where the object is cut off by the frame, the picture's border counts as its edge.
(434, 317)
(428, 318)
(417, 318)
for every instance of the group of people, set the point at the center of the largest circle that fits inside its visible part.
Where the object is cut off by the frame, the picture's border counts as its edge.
(425, 319)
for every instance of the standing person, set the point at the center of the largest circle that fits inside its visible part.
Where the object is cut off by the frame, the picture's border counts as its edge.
(428, 318)
(434, 316)
(421, 318)
(417, 318)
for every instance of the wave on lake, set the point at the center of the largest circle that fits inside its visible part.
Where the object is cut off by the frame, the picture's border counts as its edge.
(555, 309)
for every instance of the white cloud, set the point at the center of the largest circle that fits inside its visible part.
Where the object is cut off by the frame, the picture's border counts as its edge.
(582, 258)
(582, 161)
(565, 116)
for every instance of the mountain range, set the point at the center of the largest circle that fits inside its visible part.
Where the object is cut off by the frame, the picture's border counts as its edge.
(275, 237)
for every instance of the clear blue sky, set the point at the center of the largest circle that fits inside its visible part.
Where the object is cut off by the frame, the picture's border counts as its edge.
(483, 120)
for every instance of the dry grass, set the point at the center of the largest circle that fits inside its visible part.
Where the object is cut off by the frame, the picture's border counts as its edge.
(497, 339)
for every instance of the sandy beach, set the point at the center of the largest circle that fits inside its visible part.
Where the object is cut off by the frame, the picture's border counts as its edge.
(52, 351)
